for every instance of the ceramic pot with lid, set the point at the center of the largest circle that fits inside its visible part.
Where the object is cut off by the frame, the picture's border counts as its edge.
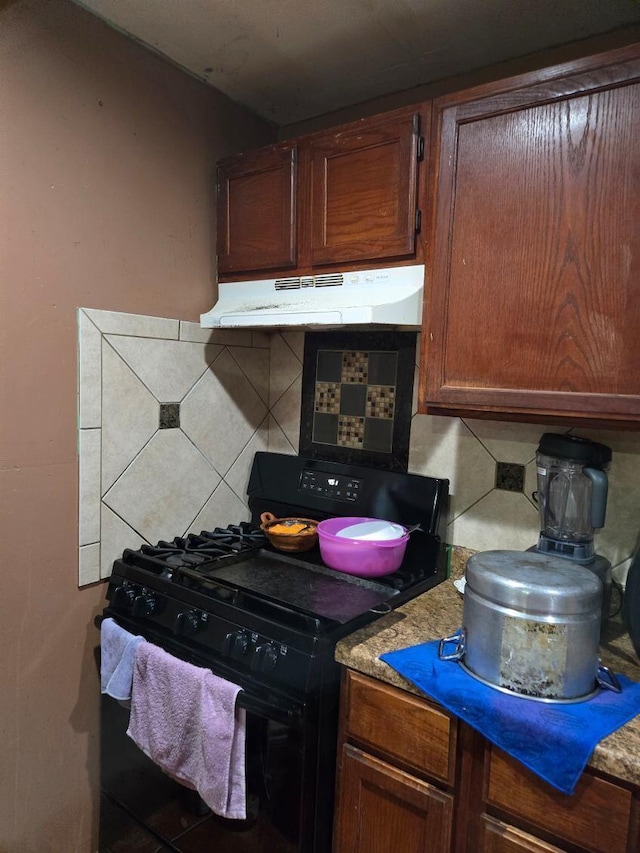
(531, 625)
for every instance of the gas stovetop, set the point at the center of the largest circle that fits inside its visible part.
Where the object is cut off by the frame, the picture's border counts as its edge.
(228, 593)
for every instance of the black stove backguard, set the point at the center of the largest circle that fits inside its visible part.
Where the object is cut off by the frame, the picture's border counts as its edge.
(291, 485)
(268, 621)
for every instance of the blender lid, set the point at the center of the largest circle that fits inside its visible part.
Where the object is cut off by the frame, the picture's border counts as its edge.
(576, 448)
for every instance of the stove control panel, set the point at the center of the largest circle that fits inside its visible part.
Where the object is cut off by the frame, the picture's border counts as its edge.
(334, 486)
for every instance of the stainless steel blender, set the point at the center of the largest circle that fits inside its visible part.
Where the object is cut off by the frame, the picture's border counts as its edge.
(572, 500)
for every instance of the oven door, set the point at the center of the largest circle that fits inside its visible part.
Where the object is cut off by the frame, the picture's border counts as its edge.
(140, 804)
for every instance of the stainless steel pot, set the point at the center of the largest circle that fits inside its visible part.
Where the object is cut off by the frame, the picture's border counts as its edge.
(531, 625)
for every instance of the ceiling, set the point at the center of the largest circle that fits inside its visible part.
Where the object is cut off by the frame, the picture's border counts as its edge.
(289, 60)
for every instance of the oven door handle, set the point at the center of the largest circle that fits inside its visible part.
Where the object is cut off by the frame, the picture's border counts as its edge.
(275, 707)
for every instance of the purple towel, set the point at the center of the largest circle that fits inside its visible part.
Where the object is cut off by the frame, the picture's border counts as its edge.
(185, 719)
(117, 648)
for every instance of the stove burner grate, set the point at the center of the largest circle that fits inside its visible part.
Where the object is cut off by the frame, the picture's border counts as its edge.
(196, 550)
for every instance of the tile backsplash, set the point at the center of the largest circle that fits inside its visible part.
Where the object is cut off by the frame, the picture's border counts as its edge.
(170, 416)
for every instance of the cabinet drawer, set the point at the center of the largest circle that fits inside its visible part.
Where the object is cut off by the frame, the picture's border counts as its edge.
(597, 816)
(497, 837)
(401, 726)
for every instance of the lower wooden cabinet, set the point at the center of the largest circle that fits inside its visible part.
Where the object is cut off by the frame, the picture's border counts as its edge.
(414, 779)
(383, 809)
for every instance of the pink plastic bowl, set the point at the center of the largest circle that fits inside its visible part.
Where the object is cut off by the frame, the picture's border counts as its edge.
(365, 558)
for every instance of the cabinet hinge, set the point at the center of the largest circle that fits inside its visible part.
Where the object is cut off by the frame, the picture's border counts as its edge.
(418, 220)
(420, 151)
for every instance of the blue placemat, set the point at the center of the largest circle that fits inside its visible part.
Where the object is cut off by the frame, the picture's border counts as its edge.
(554, 740)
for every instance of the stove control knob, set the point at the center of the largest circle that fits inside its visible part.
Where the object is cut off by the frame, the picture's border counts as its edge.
(123, 597)
(143, 604)
(188, 622)
(235, 643)
(264, 658)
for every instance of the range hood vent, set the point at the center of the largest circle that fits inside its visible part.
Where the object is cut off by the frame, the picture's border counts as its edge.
(363, 297)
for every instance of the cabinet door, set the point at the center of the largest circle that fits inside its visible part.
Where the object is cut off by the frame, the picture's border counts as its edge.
(257, 210)
(382, 809)
(534, 303)
(364, 191)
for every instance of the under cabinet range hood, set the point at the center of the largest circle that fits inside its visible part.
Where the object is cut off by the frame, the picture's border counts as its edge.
(363, 297)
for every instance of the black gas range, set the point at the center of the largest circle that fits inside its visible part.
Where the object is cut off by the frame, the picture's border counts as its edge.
(269, 621)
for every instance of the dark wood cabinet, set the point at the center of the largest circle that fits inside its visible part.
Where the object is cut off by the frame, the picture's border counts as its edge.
(257, 210)
(364, 183)
(412, 779)
(343, 198)
(384, 809)
(396, 772)
(533, 301)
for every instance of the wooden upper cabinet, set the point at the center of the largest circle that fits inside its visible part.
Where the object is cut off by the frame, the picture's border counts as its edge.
(257, 210)
(364, 190)
(533, 296)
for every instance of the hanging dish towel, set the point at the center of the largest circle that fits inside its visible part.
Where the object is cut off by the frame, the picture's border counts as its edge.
(117, 649)
(184, 718)
(554, 740)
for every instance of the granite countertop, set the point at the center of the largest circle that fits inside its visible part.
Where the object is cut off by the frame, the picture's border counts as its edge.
(438, 613)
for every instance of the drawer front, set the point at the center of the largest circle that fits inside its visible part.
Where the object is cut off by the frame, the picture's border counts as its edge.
(497, 837)
(596, 817)
(401, 726)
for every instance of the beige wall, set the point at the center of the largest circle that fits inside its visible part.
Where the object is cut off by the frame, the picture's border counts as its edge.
(106, 158)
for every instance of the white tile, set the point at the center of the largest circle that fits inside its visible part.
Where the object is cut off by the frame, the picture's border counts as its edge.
(223, 507)
(116, 536)
(237, 477)
(130, 415)
(620, 572)
(88, 564)
(507, 441)
(261, 339)
(255, 366)
(287, 410)
(222, 412)
(169, 369)
(195, 332)
(117, 323)
(444, 447)
(295, 341)
(89, 487)
(89, 372)
(501, 520)
(278, 442)
(285, 368)
(165, 487)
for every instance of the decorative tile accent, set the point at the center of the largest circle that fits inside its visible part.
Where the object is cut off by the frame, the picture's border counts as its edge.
(357, 397)
(327, 397)
(355, 367)
(350, 432)
(510, 476)
(169, 416)
(380, 401)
